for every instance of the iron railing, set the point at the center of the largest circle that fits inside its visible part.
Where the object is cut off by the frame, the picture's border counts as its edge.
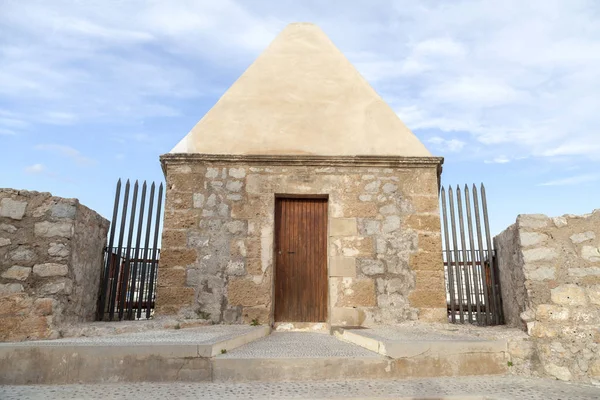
(472, 284)
(129, 272)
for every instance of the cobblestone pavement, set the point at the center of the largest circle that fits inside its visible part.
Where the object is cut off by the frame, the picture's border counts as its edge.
(482, 387)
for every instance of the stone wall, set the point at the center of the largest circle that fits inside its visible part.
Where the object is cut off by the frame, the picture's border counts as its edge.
(50, 263)
(384, 239)
(550, 280)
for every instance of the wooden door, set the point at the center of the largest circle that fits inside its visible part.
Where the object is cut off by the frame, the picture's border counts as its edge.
(301, 260)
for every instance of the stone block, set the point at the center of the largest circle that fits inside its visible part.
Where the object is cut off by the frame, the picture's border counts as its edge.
(22, 253)
(540, 274)
(356, 293)
(425, 204)
(424, 222)
(426, 261)
(181, 219)
(533, 221)
(182, 182)
(583, 272)
(347, 316)
(15, 304)
(235, 268)
(371, 267)
(174, 238)
(198, 200)
(561, 373)
(50, 269)
(64, 286)
(583, 237)
(342, 266)
(430, 242)
(238, 173)
(177, 297)
(590, 253)
(234, 186)
(343, 227)
(179, 200)
(539, 254)
(13, 209)
(4, 242)
(58, 250)
(549, 312)
(352, 246)
(247, 293)
(171, 257)
(63, 210)
(430, 280)
(391, 223)
(529, 239)
(433, 314)
(17, 272)
(593, 293)
(7, 288)
(44, 306)
(53, 229)
(359, 210)
(427, 299)
(569, 295)
(261, 314)
(8, 228)
(171, 277)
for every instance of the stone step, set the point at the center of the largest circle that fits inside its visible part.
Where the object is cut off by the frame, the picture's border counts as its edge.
(152, 356)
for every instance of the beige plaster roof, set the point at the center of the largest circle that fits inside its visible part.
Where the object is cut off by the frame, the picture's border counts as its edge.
(301, 96)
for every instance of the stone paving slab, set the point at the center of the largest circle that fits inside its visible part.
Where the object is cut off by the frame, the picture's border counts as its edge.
(484, 387)
(298, 345)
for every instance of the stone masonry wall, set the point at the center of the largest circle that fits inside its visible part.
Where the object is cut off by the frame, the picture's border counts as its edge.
(50, 263)
(550, 280)
(384, 241)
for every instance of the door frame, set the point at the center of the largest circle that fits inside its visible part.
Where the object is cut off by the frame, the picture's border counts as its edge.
(317, 196)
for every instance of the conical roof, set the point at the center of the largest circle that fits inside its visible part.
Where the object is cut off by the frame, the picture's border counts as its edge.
(301, 96)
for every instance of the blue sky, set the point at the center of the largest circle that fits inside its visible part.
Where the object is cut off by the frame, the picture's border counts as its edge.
(508, 92)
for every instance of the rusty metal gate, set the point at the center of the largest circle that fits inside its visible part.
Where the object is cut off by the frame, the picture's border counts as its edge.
(472, 281)
(127, 288)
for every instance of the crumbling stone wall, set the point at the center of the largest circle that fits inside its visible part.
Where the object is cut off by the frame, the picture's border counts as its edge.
(50, 263)
(217, 259)
(550, 278)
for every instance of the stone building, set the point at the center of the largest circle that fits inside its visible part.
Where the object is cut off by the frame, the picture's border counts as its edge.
(301, 197)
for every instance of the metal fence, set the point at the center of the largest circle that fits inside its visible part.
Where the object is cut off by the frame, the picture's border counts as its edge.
(472, 284)
(129, 272)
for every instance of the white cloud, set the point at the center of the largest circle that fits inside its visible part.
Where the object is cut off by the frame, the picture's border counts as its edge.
(450, 145)
(498, 160)
(68, 152)
(573, 180)
(35, 169)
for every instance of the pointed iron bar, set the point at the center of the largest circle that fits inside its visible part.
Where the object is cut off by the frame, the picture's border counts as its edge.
(474, 273)
(465, 265)
(486, 223)
(486, 295)
(125, 280)
(119, 264)
(136, 256)
(456, 257)
(102, 304)
(154, 253)
(449, 265)
(145, 255)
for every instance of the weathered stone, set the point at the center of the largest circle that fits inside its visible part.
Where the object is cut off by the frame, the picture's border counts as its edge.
(427, 298)
(430, 242)
(520, 349)
(64, 286)
(180, 219)
(15, 304)
(8, 228)
(540, 273)
(198, 200)
(561, 373)
(425, 204)
(372, 187)
(371, 267)
(245, 292)
(259, 314)
(174, 238)
(236, 227)
(590, 253)
(238, 173)
(347, 316)
(234, 186)
(356, 293)
(58, 250)
(529, 239)
(540, 254)
(426, 261)
(63, 210)
(172, 299)
(44, 306)
(370, 227)
(390, 188)
(22, 253)
(236, 268)
(12, 208)
(593, 293)
(582, 272)
(170, 258)
(50, 269)
(569, 294)
(424, 222)
(4, 242)
(171, 277)
(390, 224)
(533, 221)
(10, 288)
(389, 209)
(343, 227)
(430, 280)
(583, 237)
(17, 272)
(53, 229)
(560, 222)
(549, 312)
(342, 266)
